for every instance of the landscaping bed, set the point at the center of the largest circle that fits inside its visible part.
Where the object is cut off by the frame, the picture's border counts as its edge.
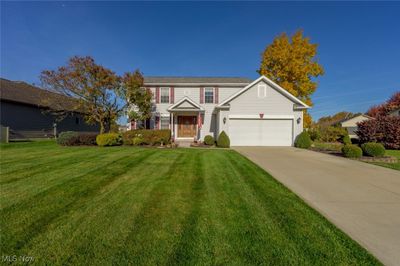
(390, 159)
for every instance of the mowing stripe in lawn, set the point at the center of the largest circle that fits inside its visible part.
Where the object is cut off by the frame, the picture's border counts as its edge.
(138, 206)
(73, 190)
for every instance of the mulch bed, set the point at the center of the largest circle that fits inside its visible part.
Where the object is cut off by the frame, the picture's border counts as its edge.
(385, 159)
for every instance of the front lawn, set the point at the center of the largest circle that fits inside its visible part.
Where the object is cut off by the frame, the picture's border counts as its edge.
(125, 205)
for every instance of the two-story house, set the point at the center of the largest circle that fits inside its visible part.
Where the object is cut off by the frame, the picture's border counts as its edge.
(252, 113)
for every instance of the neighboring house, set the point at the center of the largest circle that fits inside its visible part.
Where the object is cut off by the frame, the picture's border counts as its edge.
(351, 124)
(395, 112)
(252, 113)
(23, 110)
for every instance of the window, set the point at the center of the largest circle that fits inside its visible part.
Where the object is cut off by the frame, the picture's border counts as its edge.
(77, 120)
(262, 90)
(209, 95)
(164, 123)
(164, 92)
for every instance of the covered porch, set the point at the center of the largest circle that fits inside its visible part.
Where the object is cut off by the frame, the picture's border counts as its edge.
(186, 120)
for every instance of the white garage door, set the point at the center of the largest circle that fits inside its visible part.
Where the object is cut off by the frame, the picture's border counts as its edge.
(260, 132)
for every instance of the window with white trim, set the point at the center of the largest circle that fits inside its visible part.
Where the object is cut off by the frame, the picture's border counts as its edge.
(164, 122)
(164, 95)
(262, 90)
(209, 95)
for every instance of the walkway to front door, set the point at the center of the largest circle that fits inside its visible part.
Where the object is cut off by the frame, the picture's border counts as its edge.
(187, 126)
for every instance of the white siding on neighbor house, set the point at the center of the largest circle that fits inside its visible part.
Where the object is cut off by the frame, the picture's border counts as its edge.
(351, 125)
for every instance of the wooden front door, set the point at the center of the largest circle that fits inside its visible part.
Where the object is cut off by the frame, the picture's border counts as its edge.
(187, 126)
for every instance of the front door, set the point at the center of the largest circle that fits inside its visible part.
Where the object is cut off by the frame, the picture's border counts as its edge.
(187, 126)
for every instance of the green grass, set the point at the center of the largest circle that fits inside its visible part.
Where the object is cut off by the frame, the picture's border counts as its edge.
(125, 205)
(394, 153)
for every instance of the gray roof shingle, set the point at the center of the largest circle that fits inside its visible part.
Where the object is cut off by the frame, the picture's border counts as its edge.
(200, 80)
(22, 92)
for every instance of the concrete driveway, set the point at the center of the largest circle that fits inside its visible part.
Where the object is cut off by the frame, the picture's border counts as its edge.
(361, 199)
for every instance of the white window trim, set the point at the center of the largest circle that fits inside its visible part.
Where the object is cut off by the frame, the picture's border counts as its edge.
(169, 94)
(262, 90)
(213, 91)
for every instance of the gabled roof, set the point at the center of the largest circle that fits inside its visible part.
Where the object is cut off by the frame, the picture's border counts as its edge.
(183, 100)
(159, 80)
(22, 92)
(355, 117)
(272, 84)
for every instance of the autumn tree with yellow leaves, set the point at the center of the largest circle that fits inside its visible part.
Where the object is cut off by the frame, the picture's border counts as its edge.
(291, 63)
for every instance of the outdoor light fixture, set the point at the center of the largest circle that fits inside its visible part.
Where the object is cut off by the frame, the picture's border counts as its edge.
(298, 120)
(224, 120)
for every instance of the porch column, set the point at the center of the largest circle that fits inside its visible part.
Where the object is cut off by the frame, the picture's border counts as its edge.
(172, 127)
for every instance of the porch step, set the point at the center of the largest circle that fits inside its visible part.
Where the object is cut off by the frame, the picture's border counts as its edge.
(184, 143)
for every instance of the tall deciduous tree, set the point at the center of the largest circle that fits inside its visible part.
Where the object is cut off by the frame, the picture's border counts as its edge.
(96, 89)
(383, 109)
(291, 62)
(137, 96)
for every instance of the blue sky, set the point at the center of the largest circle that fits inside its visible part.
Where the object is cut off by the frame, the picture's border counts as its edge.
(358, 42)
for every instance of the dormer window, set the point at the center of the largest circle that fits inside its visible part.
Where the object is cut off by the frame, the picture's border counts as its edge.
(209, 95)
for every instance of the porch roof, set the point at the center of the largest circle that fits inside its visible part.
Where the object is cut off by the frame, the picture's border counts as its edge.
(185, 104)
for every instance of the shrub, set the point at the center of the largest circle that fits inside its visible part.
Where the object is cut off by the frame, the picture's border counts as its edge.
(137, 141)
(383, 129)
(209, 140)
(87, 139)
(351, 151)
(109, 139)
(346, 139)
(314, 133)
(332, 134)
(303, 140)
(223, 140)
(373, 149)
(149, 136)
(66, 138)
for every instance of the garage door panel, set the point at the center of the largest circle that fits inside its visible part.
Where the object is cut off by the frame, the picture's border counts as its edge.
(261, 132)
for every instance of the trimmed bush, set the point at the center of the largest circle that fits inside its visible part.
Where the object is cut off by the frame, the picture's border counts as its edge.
(209, 140)
(351, 151)
(149, 136)
(373, 149)
(88, 139)
(223, 140)
(346, 139)
(109, 139)
(137, 141)
(303, 140)
(66, 138)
